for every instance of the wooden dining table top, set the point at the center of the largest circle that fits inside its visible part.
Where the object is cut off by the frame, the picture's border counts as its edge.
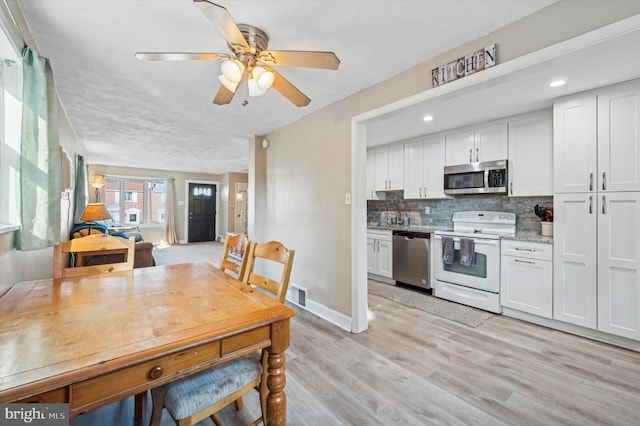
(57, 332)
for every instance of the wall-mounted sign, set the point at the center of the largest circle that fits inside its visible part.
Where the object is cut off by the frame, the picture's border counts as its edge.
(462, 67)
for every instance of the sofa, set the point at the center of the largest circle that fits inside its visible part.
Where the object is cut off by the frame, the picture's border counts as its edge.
(144, 250)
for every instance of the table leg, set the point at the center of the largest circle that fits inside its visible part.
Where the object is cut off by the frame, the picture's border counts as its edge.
(277, 400)
(137, 408)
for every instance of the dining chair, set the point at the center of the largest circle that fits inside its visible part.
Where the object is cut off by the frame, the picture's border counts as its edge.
(234, 252)
(94, 244)
(201, 395)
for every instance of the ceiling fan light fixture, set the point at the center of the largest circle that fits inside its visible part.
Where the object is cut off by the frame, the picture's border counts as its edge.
(264, 78)
(231, 86)
(232, 71)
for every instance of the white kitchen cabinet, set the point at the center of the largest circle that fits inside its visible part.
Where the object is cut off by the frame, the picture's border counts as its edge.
(423, 169)
(531, 155)
(481, 144)
(526, 273)
(389, 168)
(371, 192)
(619, 263)
(379, 253)
(574, 259)
(596, 145)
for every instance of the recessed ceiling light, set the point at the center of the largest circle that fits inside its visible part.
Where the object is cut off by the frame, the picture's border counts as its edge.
(427, 117)
(557, 83)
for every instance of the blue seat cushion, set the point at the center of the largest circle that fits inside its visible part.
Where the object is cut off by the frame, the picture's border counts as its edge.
(187, 396)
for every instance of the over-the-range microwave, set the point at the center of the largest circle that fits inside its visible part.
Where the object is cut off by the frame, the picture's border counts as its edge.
(489, 177)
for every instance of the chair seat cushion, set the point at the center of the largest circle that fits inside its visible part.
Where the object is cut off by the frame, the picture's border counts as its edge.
(189, 395)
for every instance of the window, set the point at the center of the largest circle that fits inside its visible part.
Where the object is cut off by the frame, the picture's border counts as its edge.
(10, 129)
(135, 201)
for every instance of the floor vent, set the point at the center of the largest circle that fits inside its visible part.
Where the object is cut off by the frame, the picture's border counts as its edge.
(298, 295)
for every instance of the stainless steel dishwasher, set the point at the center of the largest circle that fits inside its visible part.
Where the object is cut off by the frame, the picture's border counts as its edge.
(411, 258)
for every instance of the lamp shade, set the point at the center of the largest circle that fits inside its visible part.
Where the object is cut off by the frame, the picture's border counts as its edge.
(97, 181)
(232, 70)
(260, 81)
(95, 211)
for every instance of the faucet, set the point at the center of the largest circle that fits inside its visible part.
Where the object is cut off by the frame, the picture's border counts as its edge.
(398, 219)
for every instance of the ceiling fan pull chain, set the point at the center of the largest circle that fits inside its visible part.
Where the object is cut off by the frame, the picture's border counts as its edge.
(246, 87)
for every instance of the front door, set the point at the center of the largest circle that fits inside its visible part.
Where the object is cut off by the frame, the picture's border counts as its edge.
(202, 212)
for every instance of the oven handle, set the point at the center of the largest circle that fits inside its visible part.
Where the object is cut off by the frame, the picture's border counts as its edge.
(475, 241)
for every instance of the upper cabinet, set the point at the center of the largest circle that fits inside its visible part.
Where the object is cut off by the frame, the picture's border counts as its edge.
(480, 144)
(388, 168)
(423, 168)
(596, 140)
(531, 155)
(371, 192)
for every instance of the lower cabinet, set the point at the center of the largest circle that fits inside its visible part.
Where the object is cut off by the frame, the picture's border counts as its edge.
(527, 277)
(379, 253)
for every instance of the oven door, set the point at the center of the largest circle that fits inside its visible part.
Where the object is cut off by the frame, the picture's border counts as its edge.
(484, 271)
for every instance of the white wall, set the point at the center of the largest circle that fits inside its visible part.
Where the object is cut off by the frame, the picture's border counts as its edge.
(305, 173)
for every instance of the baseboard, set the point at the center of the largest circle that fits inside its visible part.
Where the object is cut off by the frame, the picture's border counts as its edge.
(327, 314)
(588, 333)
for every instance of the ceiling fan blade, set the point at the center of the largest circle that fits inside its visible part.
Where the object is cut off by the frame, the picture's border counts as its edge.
(223, 21)
(224, 96)
(288, 90)
(177, 56)
(294, 58)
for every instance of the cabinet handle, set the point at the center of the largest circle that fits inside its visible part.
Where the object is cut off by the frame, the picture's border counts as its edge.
(530, 262)
(591, 181)
(603, 201)
(425, 192)
(524, 249)
(477, 155)
(604, 180)
(471, 156)
(511, 187)
(420, 191)
(590, 204)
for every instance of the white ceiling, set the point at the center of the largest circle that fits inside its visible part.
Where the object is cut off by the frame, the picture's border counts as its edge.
(160, 115)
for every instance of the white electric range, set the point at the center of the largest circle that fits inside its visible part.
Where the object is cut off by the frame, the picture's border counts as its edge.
(475, 283)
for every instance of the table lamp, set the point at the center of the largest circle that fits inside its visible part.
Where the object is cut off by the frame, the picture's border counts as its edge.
(93, 212)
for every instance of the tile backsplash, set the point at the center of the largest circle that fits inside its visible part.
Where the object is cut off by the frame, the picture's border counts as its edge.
(441, 210)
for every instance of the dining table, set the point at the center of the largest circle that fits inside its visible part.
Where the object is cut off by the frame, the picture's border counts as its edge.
(90, 341)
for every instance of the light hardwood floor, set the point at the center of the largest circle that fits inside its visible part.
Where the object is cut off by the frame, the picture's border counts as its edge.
(414, 368)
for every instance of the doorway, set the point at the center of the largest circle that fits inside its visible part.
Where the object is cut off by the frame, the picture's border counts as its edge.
(202, 212)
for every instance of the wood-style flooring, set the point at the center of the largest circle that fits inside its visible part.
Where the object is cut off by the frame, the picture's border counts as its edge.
(414, 368)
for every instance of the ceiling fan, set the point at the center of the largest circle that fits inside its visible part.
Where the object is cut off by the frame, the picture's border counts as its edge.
(250, 63)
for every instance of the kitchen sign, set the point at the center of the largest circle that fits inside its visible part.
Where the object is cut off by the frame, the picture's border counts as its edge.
(462, 67)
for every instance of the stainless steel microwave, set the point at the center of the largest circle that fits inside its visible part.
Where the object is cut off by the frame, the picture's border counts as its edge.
(489, 177)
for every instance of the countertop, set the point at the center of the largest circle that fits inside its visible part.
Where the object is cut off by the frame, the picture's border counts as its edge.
(417, 228)
(529, 236)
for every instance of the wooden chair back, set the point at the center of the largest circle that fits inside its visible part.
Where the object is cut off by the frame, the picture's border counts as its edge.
(95, 244)
(234, 254)
(271, 251)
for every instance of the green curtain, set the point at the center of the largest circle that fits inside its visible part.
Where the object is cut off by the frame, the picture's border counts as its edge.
(40, 156)
(82, 188)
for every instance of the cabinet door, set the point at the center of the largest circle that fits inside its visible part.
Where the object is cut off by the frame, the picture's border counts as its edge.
(459, 148)
(385, 258)
(618, 133)
(413, 170)
(381, 169)
(434, 155)
(574, 259)
(619, 263)
(396, 167)
(490, 143)
(372, 256)
(371, 192)
(574, 144)
(531, 156)
(527, 285)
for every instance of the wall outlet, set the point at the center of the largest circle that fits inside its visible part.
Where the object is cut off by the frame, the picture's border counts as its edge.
(427, 210)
